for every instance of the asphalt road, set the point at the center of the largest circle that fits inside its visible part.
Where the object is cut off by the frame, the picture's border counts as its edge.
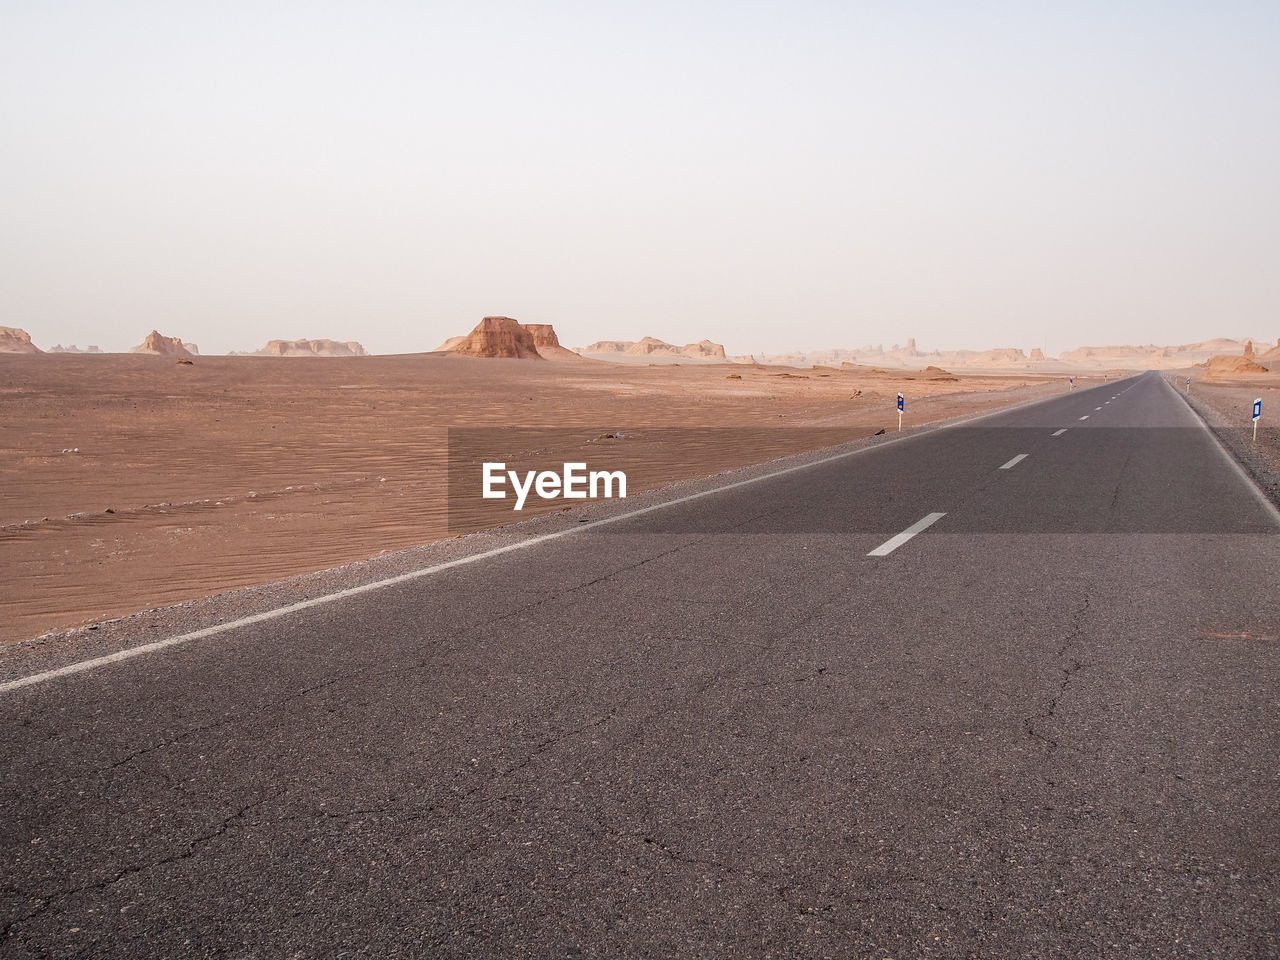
(1044, 726)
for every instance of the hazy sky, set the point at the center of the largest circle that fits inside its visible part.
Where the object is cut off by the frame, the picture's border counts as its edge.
(769, 175)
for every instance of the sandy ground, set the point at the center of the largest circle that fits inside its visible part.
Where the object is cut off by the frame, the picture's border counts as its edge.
(131, 482)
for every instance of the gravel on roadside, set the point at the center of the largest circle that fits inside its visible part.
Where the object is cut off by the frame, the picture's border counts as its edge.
(1227, 417)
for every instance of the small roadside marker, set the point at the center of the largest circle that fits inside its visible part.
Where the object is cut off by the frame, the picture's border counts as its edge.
(1059, 432)
(1257, 415)
(1014, 462)
(901, 406)
(898, 539)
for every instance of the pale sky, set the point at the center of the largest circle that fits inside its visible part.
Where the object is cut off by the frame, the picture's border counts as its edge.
(773, 176)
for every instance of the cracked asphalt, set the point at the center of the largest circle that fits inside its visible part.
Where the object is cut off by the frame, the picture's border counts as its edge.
(1046, 726)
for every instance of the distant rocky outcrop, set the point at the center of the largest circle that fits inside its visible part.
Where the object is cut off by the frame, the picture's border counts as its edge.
(1151, 356)
(495, 337)
(311, 348)
(157, 344)
(1000, 357)
(1271, 356)
(13, 340)
(654, 348)
(909, 356)
(59, 348)
(504, 337)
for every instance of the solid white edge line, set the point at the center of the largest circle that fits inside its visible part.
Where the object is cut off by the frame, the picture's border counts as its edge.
(1014, 462)
(898, 539)
(217, 628)
(1058, 433)
(1226, 454)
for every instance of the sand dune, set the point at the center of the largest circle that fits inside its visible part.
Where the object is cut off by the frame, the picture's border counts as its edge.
(1232, 366)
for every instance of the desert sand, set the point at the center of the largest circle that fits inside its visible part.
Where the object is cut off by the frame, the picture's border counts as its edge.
(134, 482)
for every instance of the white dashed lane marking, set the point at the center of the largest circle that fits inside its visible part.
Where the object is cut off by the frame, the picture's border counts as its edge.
(898, 539)
(1014, 462)
(1058, 433)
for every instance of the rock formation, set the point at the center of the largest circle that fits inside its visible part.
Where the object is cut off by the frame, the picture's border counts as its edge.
(495, 337)
(1151, 356)
(13, 340)
(548, 344)
(59, 348)
(1000, 357)
(655, 348)
(159, 345)
(311, 348)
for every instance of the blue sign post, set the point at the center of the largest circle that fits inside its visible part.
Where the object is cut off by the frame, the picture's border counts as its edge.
(1257, 415)
(1188, 386)
(901, 406)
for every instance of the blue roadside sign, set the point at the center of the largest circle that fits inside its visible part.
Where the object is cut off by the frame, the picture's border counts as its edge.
(900, 402)
(1257, 409)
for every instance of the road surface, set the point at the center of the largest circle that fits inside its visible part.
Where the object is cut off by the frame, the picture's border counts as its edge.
(1002, 690)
